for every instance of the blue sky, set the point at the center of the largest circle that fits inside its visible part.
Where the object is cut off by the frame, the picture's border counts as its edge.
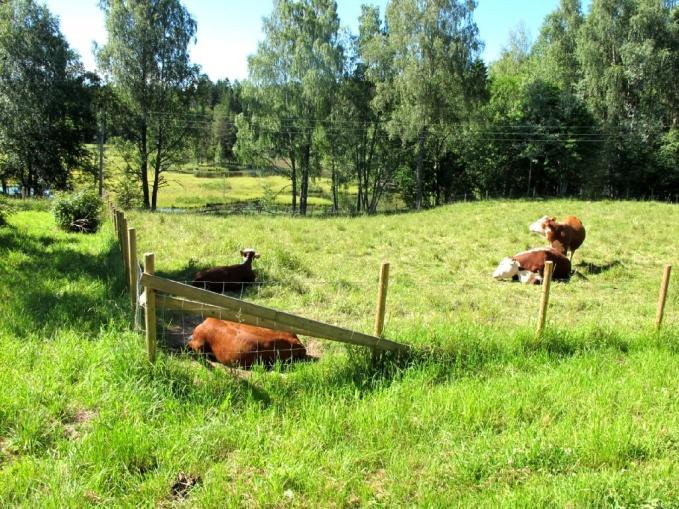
(228, 30)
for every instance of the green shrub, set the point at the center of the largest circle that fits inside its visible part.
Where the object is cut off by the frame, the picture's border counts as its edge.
(128, 193)
(78, 212)
(5, 210)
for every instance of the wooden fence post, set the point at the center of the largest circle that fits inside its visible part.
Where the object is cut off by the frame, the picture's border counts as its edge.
(115, 219)
(119, 222)
(381, 299)
(132, 258)
(150, 314)
(124, 248)
(544, 301)
(662, 298)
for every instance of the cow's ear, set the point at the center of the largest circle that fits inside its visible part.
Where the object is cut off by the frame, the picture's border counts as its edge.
(552, 219)
(242, 253)
(257, 255)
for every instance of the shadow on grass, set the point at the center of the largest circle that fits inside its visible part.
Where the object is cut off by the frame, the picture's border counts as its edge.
(53, 285)
(592, 269)
(471, 354)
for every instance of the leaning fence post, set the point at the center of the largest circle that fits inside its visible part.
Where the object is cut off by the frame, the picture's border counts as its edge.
(132, 258)
(662, 298)
(150, 314)
(544, 301)
(381, 299)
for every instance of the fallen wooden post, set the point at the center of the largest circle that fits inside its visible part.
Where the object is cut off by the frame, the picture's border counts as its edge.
(250, 313)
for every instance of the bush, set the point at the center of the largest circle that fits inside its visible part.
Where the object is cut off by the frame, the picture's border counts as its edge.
(128, 194)
(5, 210)
(78, 212)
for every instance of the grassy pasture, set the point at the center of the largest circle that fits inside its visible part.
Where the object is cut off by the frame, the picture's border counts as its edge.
(185, 190)
(586, 417)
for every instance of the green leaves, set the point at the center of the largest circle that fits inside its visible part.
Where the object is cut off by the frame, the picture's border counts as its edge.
(45, 98)
(147, 58)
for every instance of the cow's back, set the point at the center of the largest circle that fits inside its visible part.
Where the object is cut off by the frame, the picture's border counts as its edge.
(577, 232)
(239, 344)
(534, 261)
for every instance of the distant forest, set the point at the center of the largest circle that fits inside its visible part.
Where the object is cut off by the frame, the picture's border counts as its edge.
(588, 109)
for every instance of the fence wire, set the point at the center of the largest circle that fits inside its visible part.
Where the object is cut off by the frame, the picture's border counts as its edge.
(228, 342)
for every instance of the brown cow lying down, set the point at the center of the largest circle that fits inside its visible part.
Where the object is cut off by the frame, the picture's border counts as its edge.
(529, 266)
(238, 344)
(228, 277)
(564, 236)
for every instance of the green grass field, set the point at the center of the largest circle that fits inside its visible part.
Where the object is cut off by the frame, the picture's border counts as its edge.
(185, 190)
(587, 416)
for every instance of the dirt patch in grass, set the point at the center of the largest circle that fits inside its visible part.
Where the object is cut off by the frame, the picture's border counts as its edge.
(183, 485)
(80, 417)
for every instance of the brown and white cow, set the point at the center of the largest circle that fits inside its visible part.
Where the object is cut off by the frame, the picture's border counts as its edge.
(238, 344)
(529, 266)
(567, 235)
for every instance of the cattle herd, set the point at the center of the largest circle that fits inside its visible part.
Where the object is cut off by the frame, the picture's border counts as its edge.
(238, 344)
(529, 266)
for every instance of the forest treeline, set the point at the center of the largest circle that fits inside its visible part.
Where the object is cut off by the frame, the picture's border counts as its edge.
(589, 109)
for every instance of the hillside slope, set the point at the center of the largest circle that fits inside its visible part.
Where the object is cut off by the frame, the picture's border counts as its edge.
(588, 416)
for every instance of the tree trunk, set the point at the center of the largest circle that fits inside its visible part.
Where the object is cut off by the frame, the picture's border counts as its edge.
(158, 167)
(144, 163)
(418, 169)
(293, 181)
(304, 189)
(102, 127)
(156, 181)
(333, 178)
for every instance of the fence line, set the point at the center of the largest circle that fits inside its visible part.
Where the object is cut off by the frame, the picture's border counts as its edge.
(151, 292)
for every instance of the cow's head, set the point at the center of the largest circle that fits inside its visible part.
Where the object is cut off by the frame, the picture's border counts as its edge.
(507, 269)
(248, 254)
(540, 226)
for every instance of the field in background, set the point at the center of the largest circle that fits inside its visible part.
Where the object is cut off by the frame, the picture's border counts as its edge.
(588, 416)
(191, 185)
(184, 190)
(441, 263)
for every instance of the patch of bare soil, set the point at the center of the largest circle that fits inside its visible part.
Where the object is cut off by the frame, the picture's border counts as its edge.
(184, 484)
(80, 417)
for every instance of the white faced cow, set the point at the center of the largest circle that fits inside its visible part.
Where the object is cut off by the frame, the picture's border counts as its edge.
(529, 266)
(564, 236)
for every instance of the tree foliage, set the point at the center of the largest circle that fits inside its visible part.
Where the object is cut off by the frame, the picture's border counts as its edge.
(45, 99)
(146, 57)
(294, 77)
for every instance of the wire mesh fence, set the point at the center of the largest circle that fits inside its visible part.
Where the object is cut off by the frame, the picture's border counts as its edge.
(350, 302)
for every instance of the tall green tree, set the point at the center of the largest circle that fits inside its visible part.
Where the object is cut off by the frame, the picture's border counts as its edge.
(45, 99)
(146, 56)
(433, 44)
(629, 54)
(294, 76)
(555, 51)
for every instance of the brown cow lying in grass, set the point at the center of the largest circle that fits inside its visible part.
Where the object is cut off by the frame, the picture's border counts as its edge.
(529, 266)
(238, 344)
(229, 277)
(564, 236)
